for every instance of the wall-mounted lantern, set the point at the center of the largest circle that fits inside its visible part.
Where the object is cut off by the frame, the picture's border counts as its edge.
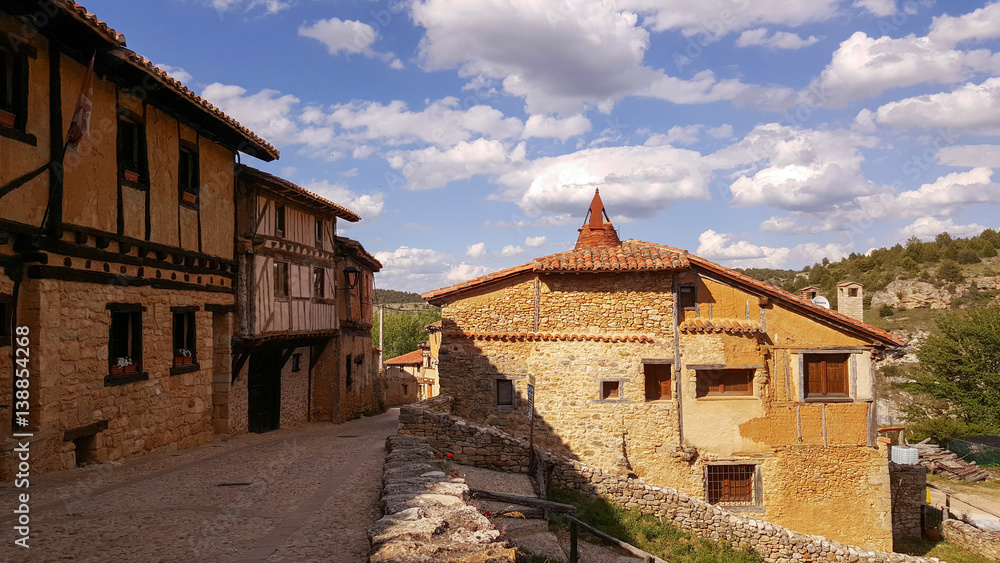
(351, 275)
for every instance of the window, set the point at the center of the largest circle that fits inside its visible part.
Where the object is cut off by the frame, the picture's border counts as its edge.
(406, 389)
(732, 485)
(611, 389)
(187, 176)
(13, 87)
(125, 342)
(279, 221)
(319, 283)
(724, 382)
(688, 296)
(296, 362)
(505, 392)
(5, 314)
(132, 151)
(319, 233)
(348, 377)
(185, 343)
(853, 292)
(826, 376)
(281, 279)
(657, 381)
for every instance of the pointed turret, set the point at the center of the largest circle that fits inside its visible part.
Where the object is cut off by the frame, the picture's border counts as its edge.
(597, 230)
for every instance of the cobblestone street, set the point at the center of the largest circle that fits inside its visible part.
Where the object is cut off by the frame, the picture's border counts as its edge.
(301, 494)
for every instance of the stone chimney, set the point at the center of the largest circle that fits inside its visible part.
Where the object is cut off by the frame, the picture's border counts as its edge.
(851, 300)
(597, 230)
(810, 292)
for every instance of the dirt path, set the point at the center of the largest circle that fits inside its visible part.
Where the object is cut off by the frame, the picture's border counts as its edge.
(302, 494)
(979, 501)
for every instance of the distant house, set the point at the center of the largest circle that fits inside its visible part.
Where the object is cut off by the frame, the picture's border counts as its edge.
(413, 376)
(651, 361)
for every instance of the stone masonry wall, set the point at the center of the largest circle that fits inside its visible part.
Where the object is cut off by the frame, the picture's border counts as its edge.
(972, 538)
(491, 448)
(909, 484)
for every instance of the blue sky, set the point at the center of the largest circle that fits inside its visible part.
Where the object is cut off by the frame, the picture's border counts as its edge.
(470, 134)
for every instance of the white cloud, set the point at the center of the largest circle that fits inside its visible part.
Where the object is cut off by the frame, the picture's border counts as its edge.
(949, 193)
(421, 269)
(362, 152)
(712, 19)
(464, 272)
(433, 168)
(269, 6)
(880, 8)
(978, 25)
(511, 250)
(345, 36)
(926, 228)
(779, 40)
(266, 112)
(396, 64)
(535, 242)
(288, 171)
(634, 181)
(796, 169)
(724, 131)
(972, 107)
(676, 135)
(368, 206)
(863, 67)
(553, 127)
(350, 173)
(744, 254)
(476, 250)
(987, 156)
(176, 72)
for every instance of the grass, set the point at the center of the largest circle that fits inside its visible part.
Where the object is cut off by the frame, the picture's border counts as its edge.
(650, 534)
(942, 550)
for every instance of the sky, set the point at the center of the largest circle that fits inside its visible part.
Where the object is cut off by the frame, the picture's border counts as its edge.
(470, 135)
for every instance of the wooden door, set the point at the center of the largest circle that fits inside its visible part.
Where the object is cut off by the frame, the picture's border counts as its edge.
(264, 392)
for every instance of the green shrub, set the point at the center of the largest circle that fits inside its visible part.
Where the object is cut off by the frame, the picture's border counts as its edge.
(886, 310)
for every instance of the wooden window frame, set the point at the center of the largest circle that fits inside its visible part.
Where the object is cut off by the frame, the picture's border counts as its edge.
(499, 384)
(139, 167)
(15, 85)
(319, 233)
(611, 390)
(687, 289)
(296, 362)
(348, 374)
(185, 332)
(189, 179)
(745, 494)
(654, 388)
(825, 395)
(703, 386)
(6, 316)
(281, 280)
(279, 220)
(319, 283)
(125, 335)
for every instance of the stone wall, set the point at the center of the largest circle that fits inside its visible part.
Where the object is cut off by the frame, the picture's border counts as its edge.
(972, 538)
(295, 390)
(427, 517)
(493, 449)
(909, 486)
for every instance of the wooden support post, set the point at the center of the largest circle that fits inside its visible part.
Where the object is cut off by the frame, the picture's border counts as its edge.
(574, 556)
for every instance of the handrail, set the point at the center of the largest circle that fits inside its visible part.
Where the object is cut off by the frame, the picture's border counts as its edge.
(524, 501)
(574, 556)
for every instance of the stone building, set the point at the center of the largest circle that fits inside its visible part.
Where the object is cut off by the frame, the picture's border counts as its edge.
(289, 341)
(851, 299)
(411, 377)
(127, 292)
(650, 361)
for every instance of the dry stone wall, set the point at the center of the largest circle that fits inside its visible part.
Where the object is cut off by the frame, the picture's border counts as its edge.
(427, 518)
(491, 448)
(909, 483)
(972, 538)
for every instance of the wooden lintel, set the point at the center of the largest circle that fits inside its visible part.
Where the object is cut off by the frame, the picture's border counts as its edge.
(88, 430)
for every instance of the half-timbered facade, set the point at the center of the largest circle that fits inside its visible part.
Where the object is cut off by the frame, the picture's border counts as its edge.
(291, 276)
(116, 258)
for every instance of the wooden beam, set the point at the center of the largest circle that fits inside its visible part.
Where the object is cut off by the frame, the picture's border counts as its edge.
(524, 501)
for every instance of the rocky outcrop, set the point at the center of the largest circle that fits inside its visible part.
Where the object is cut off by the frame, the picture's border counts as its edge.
(915, 294)
(426, 517)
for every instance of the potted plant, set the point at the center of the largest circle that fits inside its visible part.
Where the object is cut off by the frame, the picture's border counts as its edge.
(123, 365)
(183, 356)
(189, 197)
(7, 118)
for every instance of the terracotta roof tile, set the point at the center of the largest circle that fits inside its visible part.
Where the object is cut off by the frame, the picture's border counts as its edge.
(738, 326)
(414, 357)
(93, 22)
(631, 255)
(338, 210)
(549, 337)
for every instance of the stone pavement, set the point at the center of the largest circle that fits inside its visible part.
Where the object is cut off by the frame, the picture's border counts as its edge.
(301, 494)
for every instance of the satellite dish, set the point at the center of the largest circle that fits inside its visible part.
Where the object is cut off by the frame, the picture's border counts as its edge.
(822, 301)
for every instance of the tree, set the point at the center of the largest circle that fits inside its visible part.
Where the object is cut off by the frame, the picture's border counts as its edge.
(404, 331)
(962, 366)
(950, 271)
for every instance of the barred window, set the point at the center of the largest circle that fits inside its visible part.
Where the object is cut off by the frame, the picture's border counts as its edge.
(505, 392)
(732, 485)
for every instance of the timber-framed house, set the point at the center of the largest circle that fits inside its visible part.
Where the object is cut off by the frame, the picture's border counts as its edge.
(126, 289)
(298, 353)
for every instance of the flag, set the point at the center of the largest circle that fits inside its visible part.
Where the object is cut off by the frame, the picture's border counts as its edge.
(80, 126)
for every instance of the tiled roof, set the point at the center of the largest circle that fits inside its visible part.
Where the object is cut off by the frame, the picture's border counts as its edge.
(355, 250)
(435, 326)
(631, 256)
(410, 358)
(548, 336)
(739, 326)
(176, 86)
(338, 210)
(91, 20)
(830, 315)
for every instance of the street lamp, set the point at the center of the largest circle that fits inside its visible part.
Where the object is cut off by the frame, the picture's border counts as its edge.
(351, 275)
